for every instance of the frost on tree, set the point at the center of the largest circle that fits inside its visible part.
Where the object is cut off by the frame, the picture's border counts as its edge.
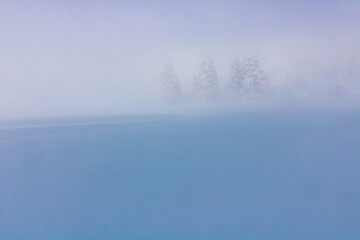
(170, 85)
(254, 79)
(206, 83)
(237, 78)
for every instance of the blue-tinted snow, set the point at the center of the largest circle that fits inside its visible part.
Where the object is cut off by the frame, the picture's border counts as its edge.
(245, 176)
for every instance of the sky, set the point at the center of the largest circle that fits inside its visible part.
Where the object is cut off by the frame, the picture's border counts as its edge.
(66, 58)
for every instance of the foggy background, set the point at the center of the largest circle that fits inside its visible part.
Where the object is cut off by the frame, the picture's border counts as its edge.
(69, 58)
(76, 162)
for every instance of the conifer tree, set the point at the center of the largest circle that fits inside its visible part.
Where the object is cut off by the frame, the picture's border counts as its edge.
(237, 78)
(254, 81)
(170, 85)
(206, 83)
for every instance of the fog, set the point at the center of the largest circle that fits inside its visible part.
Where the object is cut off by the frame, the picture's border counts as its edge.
(71, 58)
(191, 119)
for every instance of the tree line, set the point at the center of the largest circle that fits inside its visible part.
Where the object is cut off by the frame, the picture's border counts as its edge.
(246, 77)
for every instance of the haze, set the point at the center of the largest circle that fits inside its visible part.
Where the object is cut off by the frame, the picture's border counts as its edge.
(70, 58)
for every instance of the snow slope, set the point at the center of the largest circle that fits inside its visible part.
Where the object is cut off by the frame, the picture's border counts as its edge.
(232, 176)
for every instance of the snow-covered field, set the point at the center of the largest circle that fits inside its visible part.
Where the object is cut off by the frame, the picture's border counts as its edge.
(231, 176)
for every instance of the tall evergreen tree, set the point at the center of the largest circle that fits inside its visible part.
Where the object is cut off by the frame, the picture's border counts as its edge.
(170, 85)
(206, 83)
(237, 78)
(254, 81)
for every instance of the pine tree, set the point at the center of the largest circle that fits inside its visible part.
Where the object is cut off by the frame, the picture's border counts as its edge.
(237, 78)
(170, 85)
(206, 83)
(254, 81)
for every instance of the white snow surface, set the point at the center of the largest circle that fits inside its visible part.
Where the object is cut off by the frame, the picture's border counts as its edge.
(217, 176)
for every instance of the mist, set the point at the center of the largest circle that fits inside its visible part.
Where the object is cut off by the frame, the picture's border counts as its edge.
(71, 58)
(201, 119)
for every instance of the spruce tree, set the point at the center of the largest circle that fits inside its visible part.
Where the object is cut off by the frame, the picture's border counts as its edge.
(254, 81)
(206, 83)
(170, 85)
(237, 78)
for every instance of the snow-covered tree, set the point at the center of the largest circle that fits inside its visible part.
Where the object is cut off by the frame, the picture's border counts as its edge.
(206, 83)
(254, 81)
(170, 85)
(237, 78)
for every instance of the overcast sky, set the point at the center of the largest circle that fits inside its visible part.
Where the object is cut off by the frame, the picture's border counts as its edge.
(105, 57)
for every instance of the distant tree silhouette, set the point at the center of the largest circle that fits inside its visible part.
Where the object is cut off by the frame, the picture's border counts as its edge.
(254, 76)
(170, 85)
(206, 82)
(237, 78)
